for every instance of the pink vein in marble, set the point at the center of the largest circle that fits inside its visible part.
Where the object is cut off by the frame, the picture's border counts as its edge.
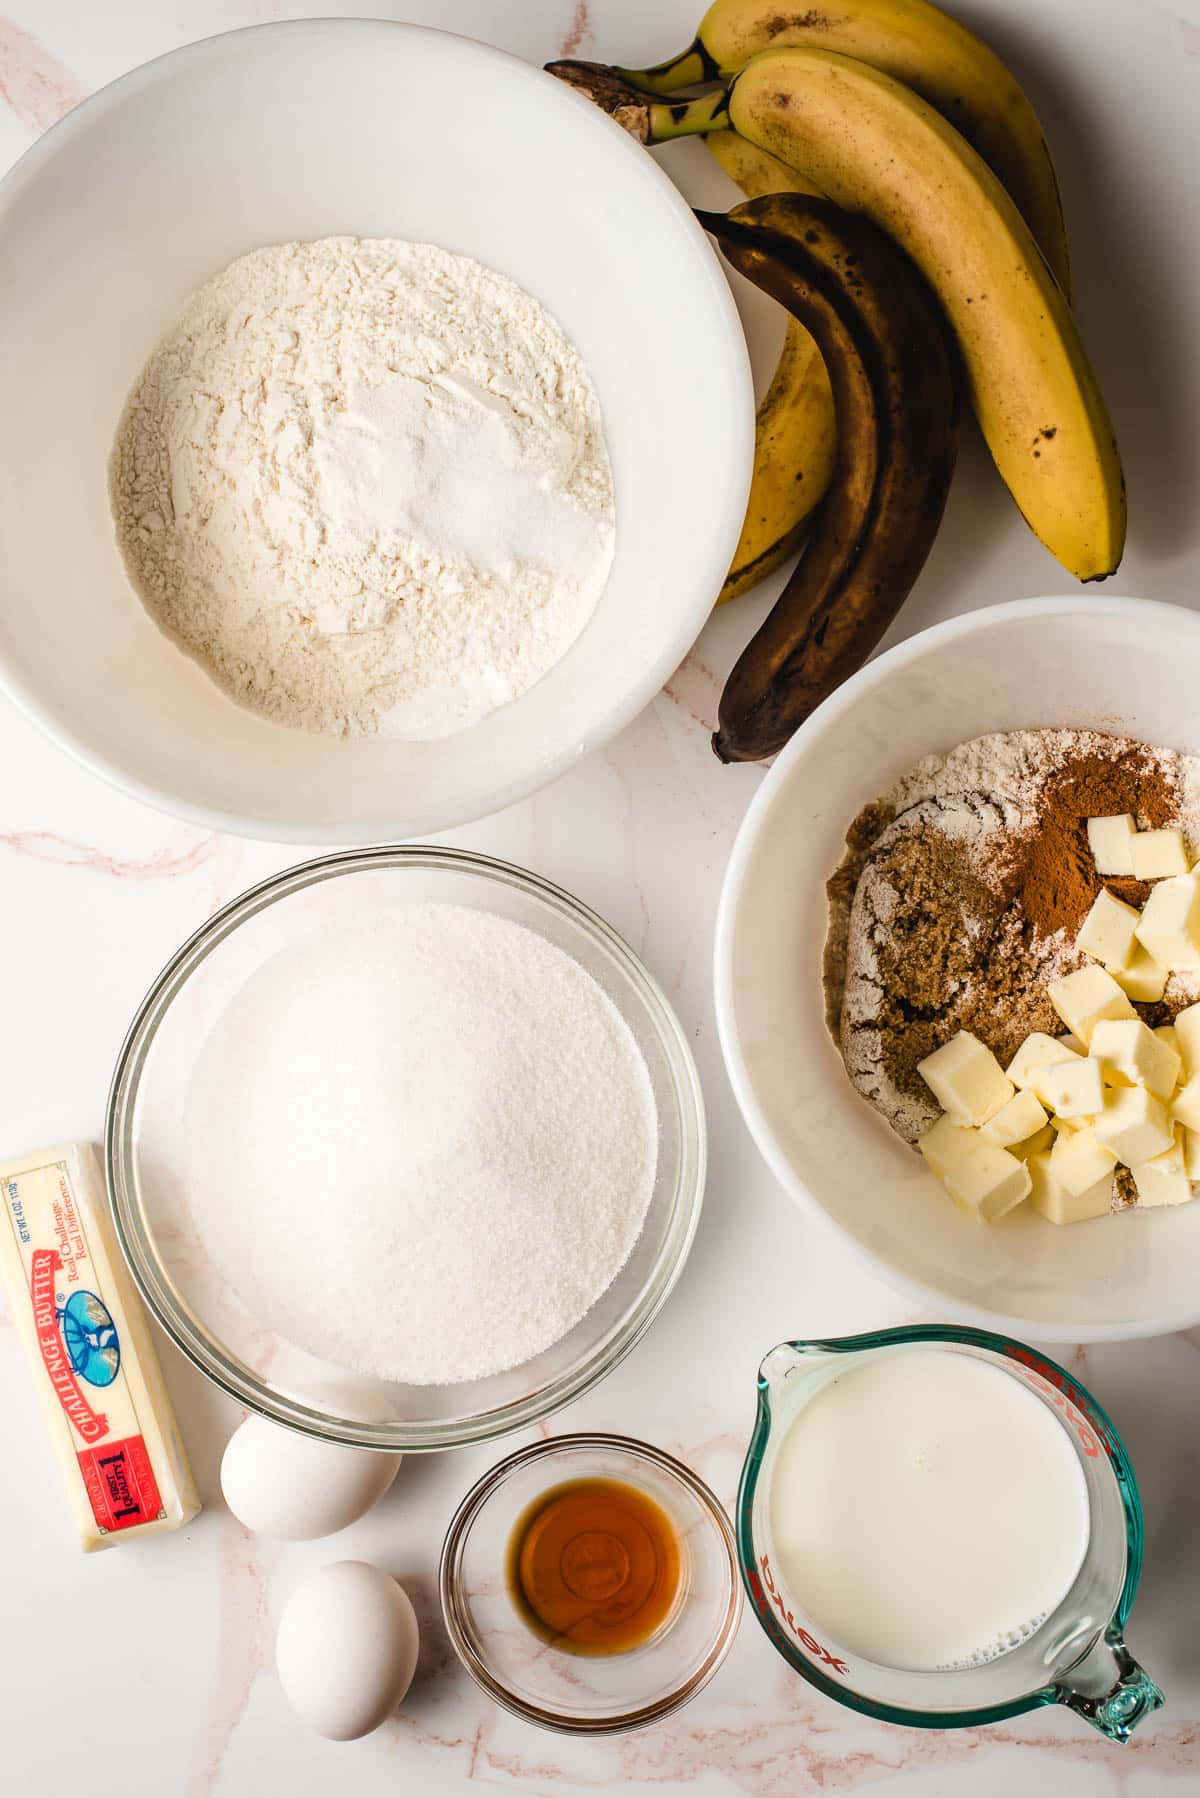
(164, 864)
(578, 32)
(245, 1650)
(34, 84)
(695, 689)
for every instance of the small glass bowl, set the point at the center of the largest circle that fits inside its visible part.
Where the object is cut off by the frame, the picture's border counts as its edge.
(588, 1695)
(145, 1151)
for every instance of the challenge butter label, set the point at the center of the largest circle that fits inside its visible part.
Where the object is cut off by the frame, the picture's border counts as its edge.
(89, 1350)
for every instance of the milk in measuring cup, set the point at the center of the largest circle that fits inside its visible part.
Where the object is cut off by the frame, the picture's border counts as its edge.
(928, 1511)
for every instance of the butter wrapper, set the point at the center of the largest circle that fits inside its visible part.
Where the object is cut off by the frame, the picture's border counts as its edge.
(86, 1339)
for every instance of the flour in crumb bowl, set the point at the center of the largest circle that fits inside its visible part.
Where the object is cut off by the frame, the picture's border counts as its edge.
(364, 483)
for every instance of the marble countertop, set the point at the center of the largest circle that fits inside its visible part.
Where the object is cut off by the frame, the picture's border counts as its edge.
(148, 1671)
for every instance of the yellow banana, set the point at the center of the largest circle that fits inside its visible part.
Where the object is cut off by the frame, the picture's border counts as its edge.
(875, 147)
(795, 437)
(915, 43)
(754, 170)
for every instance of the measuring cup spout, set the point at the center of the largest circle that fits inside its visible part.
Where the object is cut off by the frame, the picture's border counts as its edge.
(1110, 1691)
(776, 1366)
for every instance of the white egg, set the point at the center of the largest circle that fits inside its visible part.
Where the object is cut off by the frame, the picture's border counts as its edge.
(346, 1649)
(279, 1483)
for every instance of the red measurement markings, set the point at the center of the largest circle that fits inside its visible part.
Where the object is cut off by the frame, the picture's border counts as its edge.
(772, 1596)
(1066, 1397)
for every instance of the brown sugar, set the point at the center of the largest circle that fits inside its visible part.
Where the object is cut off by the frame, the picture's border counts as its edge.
(960, 957)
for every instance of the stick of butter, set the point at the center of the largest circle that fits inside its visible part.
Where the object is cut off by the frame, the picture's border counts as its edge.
(88, 1345)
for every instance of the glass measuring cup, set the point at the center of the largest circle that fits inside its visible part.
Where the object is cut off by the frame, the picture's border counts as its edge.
(1076, 1657)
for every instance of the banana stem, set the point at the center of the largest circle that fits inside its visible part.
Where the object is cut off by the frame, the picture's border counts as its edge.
(690, 68)
(684, 118)
(650, 121)
(687, 118)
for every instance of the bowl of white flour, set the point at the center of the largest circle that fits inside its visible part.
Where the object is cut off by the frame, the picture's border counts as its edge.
(406, 1148)
(357, 491)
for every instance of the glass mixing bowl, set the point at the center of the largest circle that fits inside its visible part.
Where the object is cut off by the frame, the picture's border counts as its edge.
(145, 1149)
(588, 1694)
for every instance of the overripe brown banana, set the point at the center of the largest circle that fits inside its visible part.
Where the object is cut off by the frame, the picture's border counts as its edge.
(877, 148)
(794, 436)
(915, 43)
(891, 364)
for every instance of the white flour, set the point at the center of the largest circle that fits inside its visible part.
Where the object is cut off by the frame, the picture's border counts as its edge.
(421, 1146)
(364, 483)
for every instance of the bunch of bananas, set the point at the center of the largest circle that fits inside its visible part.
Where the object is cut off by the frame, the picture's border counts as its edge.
(886, 121)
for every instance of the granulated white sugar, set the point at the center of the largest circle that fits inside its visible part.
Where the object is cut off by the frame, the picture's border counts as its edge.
(421, 1146)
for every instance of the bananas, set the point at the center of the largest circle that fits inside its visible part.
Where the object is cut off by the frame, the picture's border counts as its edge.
(916, 44)
(752, 169)
(892, 368)
(794, 437)
(906, 249)
(877, 148)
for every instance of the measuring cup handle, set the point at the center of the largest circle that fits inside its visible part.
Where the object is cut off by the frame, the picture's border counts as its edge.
(1116, 1713)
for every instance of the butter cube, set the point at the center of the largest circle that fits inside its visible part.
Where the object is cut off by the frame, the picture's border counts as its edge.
(1015, 1122)
(1168, 1034)
(1041, 1144)
(1143, 980)
(1083, 998)
(1163, 1180)
(1079, 1159)
(1068, 1126)
(1191, 1153)
(966, 1079)
(1050, 1198)
(982, 1179)
(1111, 843)
(1035, 1052)
(1131, 1055)
(1070, 1041)
(1187, 1033)
(1071, 1089)
(1185, 1106)
(1107, 933)
(1133, 1124)
(1158, 854)
(1170, 924)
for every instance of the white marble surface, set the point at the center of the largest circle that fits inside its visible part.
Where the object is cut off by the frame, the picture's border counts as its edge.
(148, 1671)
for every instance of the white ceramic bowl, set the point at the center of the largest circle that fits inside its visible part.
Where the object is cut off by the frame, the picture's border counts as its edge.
(1114, 664)
(305, 130)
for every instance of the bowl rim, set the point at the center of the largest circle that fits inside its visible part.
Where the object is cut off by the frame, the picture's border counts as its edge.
(874, 675)
(737, 427)
(459, 1529)
(223, 1368)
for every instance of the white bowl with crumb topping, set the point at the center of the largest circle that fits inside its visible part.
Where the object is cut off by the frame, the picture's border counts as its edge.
(365, 128)
(1124, 666)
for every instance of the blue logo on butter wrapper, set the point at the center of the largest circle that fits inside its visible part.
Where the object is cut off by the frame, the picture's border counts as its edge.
(91, 1338)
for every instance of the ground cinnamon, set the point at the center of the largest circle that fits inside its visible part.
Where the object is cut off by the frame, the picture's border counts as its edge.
(1054, 874)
